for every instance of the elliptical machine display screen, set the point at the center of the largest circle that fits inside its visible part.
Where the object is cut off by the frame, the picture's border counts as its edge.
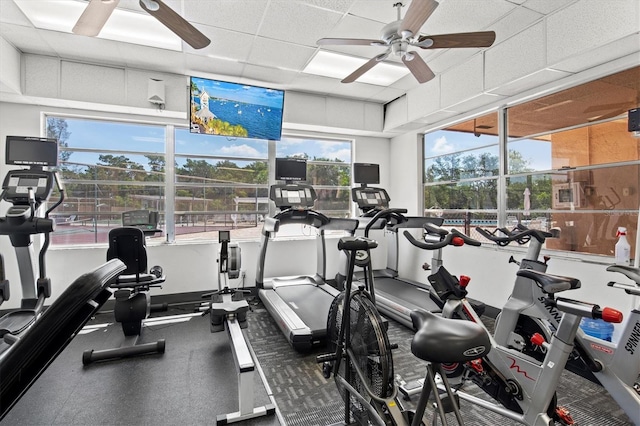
(17, 183)
(31, 151)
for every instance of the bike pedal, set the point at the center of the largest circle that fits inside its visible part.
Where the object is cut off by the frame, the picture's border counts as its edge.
(563, 416)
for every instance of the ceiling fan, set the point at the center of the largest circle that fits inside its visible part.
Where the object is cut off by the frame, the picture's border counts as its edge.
(399, 35)
(98, 11)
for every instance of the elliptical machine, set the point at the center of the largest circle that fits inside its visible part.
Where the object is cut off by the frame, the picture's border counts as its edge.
(27, 190)
(228, 310)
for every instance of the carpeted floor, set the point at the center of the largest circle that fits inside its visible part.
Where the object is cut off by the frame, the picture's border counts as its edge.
(306, 398)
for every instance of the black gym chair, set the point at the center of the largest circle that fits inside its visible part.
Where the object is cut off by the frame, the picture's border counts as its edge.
(133, 302)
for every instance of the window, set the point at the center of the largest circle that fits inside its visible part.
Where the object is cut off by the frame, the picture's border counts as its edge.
(217, 183)
(570, 164)
(220, 183)
(107, 168)
(461, 170)
(328, 170)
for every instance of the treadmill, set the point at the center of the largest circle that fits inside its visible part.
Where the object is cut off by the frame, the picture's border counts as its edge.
(395, 296)
(299, 304)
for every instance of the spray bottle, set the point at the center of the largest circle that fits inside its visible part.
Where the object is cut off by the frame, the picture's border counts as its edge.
(622, 249)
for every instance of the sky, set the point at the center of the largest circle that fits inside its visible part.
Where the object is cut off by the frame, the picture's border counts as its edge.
(116, 136)
(536, 152)
(241, 92)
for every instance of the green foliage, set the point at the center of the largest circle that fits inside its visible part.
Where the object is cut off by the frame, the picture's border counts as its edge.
(57, 128)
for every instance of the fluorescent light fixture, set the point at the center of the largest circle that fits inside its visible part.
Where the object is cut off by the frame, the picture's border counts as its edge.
(123, 25)
(335, 65)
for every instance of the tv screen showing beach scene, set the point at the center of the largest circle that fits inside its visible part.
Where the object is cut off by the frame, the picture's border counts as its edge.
(235, 110)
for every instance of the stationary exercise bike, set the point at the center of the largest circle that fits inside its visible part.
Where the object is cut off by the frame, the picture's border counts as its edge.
(523, 386)
(228, 310)
(360, 358)
(132, 299)
(613, 365)
(27, 190)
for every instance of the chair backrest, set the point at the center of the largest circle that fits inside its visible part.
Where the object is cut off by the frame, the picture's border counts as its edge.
(128, 245)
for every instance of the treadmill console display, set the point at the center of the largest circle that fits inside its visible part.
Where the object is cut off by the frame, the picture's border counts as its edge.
(17, 183)
(369, 198)
(299, 195)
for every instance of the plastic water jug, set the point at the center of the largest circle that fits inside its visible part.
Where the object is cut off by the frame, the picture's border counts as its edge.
(597, 328)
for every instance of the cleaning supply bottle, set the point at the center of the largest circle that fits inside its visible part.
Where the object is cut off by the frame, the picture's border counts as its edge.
(622, 249)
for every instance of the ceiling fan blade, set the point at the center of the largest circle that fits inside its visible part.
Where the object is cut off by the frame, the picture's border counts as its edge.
(351, 41)
(418, 67)
(176, 23)
(448, 41)
(94, 17)
(417, 14)
(364, 68)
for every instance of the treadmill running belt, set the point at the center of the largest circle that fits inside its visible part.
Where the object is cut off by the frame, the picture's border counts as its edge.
(310, 303)
(404, 293)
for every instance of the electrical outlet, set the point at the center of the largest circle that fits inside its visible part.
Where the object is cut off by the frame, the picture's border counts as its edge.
(626, 192)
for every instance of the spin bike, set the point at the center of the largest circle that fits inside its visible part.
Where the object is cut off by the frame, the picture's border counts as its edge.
(613, 365)
(361, 360)
(524, 386)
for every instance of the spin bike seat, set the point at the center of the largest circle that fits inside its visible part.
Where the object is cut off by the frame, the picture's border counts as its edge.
(444, 340)
(550, 283)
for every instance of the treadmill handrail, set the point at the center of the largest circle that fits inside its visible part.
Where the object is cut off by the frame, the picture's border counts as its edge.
(341, 224)
(385, 213)
(306, 216)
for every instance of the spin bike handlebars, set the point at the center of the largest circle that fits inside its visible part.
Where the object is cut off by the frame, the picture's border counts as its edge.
(454, 238)
(521, 237)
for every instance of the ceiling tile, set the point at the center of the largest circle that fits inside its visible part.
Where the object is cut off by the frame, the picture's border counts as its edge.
(256, 73)
(86, 49)
(465, 16)
(377, 10)
(239, 15)
(11, 13)
(224, 44)
(27, 40)
(289, 21)
(599, 24)
(203, 66)
(514, 22)
(546, 6)
(278, 54)
(341, 6)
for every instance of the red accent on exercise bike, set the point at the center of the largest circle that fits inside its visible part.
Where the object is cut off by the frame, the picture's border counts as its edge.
(457, 241)
(464, 281)
(612, 315)
(476, 365)
(564, 416)
(537, 339)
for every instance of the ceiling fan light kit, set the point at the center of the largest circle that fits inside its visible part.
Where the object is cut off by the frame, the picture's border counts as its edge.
(401, 34)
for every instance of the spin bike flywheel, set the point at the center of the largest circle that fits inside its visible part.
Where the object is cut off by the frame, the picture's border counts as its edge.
(371, 352)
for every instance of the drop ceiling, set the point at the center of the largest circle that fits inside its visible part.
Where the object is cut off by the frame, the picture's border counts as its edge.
(270, 42)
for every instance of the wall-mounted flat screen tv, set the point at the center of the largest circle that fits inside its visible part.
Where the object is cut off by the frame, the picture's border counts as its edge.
(235, 110)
